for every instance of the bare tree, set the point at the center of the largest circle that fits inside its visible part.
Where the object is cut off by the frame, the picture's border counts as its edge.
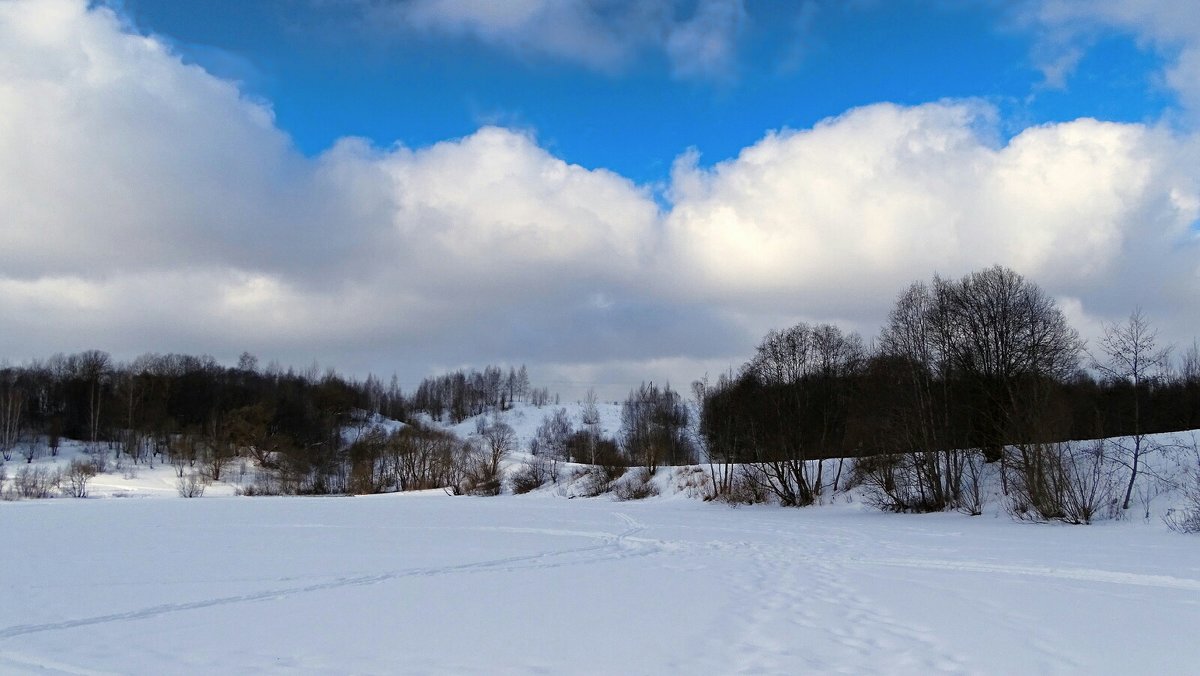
(590, 417)
(1130, 354)
(94, 368)
(532, 474)
(36, 481)
(654, 427)
(248, 363)
(723, 441)
(801, 378)
(12, 403)
(499, 442)
(30, 451)
(77, 476)
(552, 439)
(190, 486)
(1186, 518)
(216, 448)
(924, 462)
(54, 436)
(1189, 367)
(522, 383)
(1061, 482)
(1007, 339)
(184, 450)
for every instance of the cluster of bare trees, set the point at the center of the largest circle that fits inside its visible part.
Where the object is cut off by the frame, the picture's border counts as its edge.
(306, 432)
(969, 376)
(654, 428)
(787, 408)
(413, 457)
(966, 367)
(188, 411)
(465, 394)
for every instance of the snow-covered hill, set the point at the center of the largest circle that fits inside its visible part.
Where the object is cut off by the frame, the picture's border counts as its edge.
(526, 418)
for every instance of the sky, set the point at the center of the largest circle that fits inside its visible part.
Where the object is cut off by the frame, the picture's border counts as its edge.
(606, 191)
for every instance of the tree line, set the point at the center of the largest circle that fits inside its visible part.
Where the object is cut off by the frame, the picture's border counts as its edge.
(306, 432)
(966, 374)
(181, 408)
(980, 369)
(461, 394)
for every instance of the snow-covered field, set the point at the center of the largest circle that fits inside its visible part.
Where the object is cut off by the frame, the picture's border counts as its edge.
(426, 583)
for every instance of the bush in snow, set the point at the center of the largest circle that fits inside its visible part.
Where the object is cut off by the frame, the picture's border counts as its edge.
(1061, 482)
(35, 482)
(693, 482)
(31, 451)
(1186, 519)
(499, 441)
(593, 480)
(77, 476)
(531, 475)
(191, 485)
(899, 482)
(367, 468)
(480, 476)
(552, 440)
(790, 481)
(637, 484)
(923, 482)
(743, 491)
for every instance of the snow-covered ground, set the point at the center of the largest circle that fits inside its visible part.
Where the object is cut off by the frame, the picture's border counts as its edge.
(426, 583)
(123, 478)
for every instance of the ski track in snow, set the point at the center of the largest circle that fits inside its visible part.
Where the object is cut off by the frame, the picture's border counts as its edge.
(1051, 655)
(781, 616)
(791, 595)
(615, 547)
(791, 584)
(1080, 574)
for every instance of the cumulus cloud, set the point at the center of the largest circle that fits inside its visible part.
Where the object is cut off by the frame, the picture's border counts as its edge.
(699, 41)
(827, 222)
(148, 205)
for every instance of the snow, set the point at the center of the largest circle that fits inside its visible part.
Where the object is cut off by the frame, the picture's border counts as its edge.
(427, 583)
(125, 479)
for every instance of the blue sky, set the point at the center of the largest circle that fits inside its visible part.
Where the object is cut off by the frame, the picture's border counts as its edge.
(328, 71)
(608, 191)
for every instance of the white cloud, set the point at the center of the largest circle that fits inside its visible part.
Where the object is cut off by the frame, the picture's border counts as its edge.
(149, 206)
(1170, 26)
(705, 45)
(699, 41)
(97, 121)
(834, 220)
